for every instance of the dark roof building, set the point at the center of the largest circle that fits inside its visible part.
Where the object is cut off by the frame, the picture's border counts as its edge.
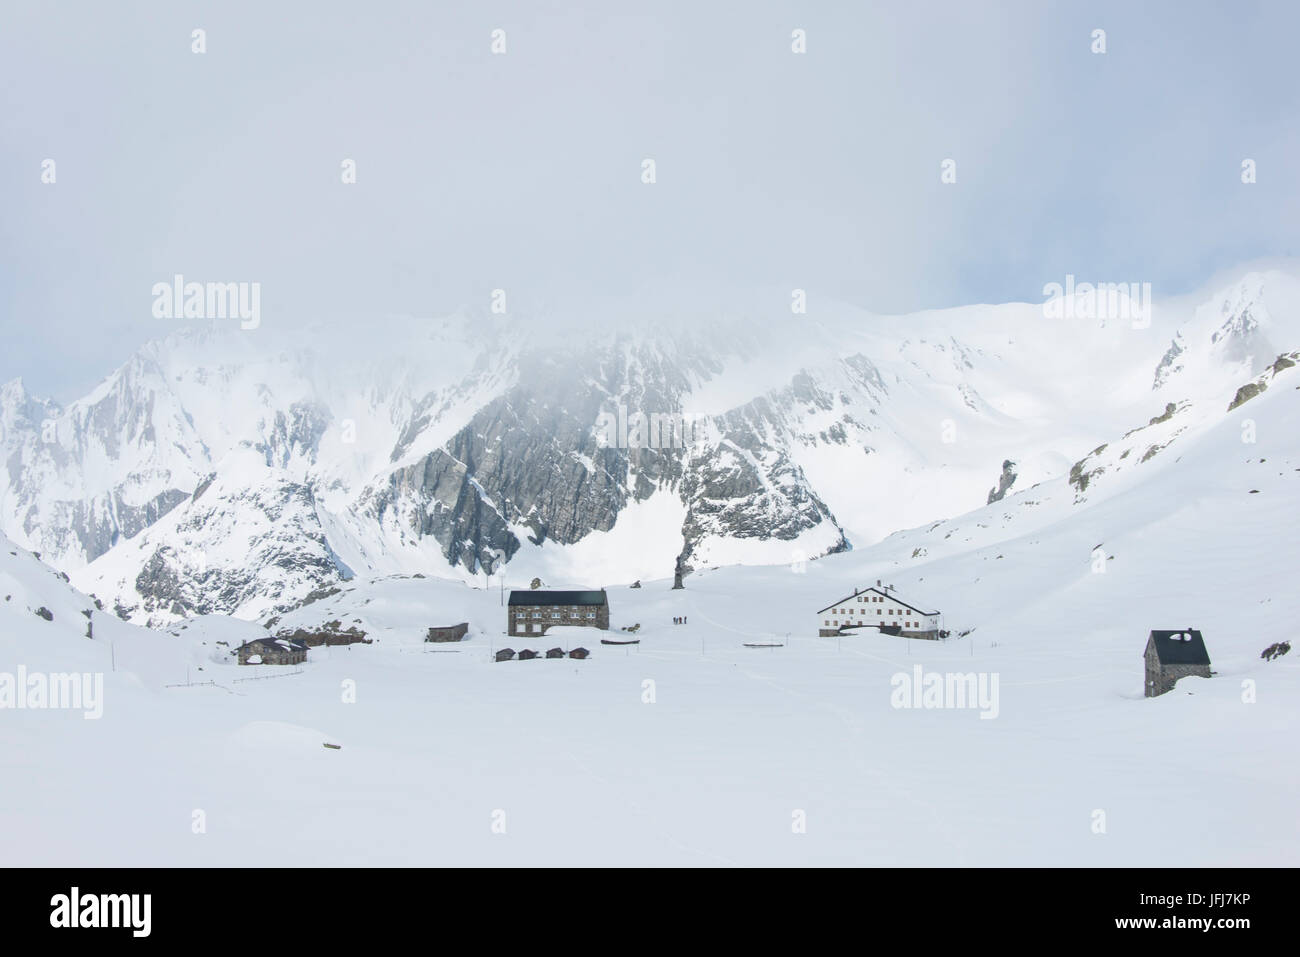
(272, 651)
(541, 597)
(877, 607)
(533, 611)
(1171, 655)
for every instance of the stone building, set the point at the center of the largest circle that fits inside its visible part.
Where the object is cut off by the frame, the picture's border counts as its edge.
(448, 632)
(1171, 655)
(533, 612)
(272, 651)
(878, 608)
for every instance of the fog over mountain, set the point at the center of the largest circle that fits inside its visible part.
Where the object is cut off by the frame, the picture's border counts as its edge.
(522, 170)
(235, 471)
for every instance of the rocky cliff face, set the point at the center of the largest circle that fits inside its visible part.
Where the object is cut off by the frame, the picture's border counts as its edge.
(234, 548)
(82, 479)
(534, 462)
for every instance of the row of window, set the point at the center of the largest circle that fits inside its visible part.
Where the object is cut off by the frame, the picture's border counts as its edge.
(556, 615)
(905, 624)
(879, 611)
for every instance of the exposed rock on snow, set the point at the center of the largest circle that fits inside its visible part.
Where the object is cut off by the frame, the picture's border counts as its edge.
(1005, 481)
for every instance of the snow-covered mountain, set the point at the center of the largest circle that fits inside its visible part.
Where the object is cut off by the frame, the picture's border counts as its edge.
(693, 748)
(446, 448)
(1158, 504)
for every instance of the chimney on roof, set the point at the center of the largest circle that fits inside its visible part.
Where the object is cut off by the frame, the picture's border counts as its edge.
(877, 582)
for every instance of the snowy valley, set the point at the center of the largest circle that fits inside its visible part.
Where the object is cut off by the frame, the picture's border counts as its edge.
(1056, 489)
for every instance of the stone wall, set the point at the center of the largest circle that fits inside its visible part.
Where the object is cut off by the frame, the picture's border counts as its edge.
(1160, 679)
(448, 633)
(521, 616)
(271, 653)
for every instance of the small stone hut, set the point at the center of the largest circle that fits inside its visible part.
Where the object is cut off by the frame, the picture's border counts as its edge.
(272, 651)
(448, 632)
(1171, 655)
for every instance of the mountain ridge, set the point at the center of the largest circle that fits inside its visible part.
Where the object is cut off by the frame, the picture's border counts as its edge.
(455, 446)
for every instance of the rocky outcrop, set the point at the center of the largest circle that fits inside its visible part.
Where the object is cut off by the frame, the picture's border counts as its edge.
(1246, 393)
(186, 566)
(1005, 481)
(1261, 383)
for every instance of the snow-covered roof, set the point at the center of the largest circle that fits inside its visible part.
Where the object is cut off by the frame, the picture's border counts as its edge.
(284, 644)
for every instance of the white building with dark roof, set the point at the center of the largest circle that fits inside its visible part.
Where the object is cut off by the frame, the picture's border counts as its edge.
(877, 607)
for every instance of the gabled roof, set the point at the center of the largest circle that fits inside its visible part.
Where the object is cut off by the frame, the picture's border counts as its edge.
(1184, 647)
(288, 644)
(878, 591)
(531, 597)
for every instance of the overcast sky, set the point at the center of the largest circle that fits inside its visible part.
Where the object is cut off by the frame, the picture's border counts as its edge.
(523, 171)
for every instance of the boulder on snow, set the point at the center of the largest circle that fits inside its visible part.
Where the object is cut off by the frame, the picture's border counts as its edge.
(1275, 650)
